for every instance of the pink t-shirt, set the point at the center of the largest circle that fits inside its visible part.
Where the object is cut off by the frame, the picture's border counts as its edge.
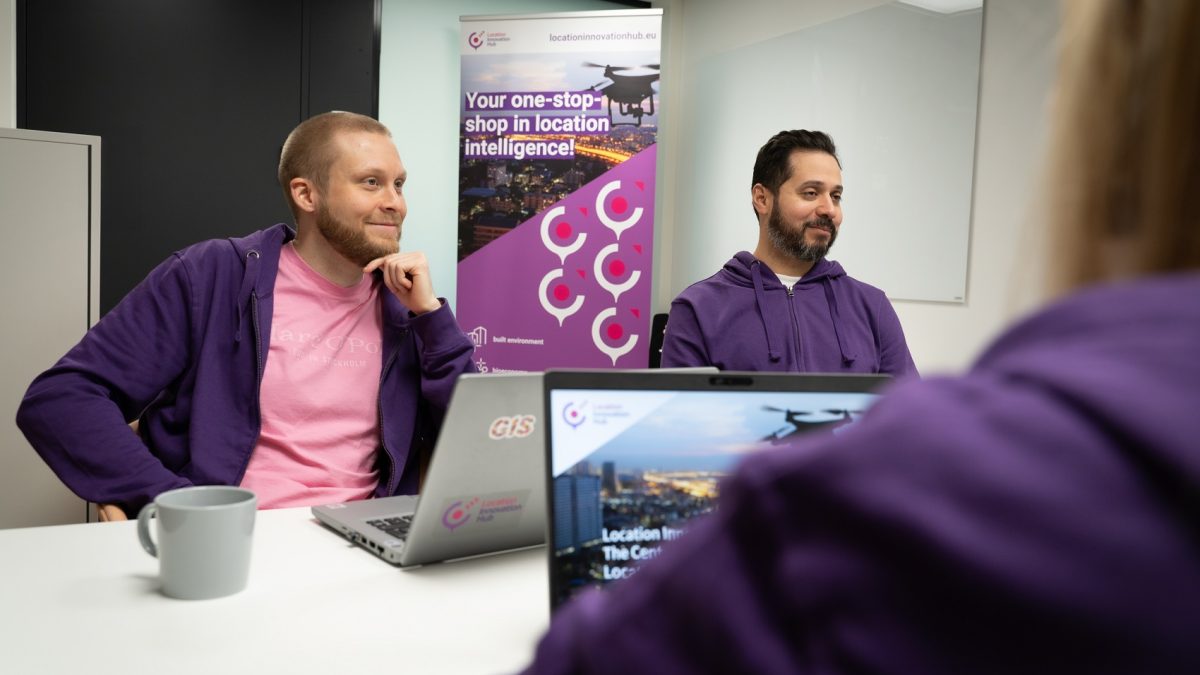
(320, 391)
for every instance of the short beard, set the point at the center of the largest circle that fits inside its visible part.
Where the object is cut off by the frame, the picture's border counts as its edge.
(352, 243)
(791, 242)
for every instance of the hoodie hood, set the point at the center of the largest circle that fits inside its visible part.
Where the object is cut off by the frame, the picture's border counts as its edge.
(255, 251)
(746, 270)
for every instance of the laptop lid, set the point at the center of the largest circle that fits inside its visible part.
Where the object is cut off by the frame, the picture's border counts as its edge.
(633, 457)
(483, 492)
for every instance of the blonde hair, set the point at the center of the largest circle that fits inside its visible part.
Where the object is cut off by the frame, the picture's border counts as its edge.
(1126, 159)
(309, 150)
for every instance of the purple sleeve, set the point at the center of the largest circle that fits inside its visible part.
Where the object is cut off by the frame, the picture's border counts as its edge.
(894, 357)
(683, 342)
(76, 414)
(446, 353)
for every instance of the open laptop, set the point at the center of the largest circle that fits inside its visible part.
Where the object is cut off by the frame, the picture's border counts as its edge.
(484, 489)
(633, 457)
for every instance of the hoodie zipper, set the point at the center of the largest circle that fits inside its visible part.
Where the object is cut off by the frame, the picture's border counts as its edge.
(393, 477)
(795, 325)
(258, 372)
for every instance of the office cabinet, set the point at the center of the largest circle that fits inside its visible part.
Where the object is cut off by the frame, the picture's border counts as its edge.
(49, 277)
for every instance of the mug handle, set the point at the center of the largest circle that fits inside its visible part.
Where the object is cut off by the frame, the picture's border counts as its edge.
(143, 528)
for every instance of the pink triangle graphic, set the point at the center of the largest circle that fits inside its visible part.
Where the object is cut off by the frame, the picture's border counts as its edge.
(637, 247)
(636, 312)
(583, 210)
(582, 274)
(640, 184)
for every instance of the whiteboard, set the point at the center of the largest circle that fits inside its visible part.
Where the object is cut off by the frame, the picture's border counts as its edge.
(897, 89)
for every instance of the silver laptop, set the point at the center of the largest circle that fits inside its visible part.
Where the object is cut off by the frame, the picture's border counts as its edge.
(633, 457)
(484, 490)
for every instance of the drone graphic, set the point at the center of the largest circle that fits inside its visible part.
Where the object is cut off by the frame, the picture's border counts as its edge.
(632, 93)
(800, 426)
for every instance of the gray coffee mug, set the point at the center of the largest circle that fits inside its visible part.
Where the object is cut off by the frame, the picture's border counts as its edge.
(204, 536)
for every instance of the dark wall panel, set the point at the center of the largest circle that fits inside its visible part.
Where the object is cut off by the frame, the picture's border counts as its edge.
(192, 100)
(343, 50)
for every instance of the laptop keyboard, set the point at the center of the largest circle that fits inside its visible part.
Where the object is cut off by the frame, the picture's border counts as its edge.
(397, 527)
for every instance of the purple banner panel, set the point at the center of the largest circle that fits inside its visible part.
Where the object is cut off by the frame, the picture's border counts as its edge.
(569, 287)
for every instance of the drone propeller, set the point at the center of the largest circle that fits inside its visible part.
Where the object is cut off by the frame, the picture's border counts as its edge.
(769, 408)
(617, 69)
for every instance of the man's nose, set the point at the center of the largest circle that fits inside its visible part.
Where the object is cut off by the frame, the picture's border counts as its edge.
(393, 201)
(826, 206)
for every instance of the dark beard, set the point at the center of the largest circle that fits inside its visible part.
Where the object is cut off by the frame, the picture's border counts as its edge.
(352, 243)
(791, 242)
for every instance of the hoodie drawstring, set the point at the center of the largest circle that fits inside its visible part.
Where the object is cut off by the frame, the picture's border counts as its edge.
(249, 281)
(760, 297)
(831, 300)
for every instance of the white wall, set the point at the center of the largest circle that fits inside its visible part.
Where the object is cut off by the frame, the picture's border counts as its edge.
(8, 63)
(1016, 71)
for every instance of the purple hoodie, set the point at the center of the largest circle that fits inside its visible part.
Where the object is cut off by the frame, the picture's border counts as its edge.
(1040, 514)
(184, 352)
(743, 318)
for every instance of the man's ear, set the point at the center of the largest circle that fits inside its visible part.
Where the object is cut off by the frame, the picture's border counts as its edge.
(304, 194)
(761, 198)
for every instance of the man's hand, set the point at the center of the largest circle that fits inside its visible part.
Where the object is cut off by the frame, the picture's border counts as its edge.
(108, 513)
(407, 276)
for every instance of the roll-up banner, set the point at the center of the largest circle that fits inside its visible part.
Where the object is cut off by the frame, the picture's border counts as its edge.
(559, 118)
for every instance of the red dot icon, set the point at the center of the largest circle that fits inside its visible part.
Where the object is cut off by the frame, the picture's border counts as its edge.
(619, 205)
(616, 268)
(563, 230)
(561, 292)
(615, 331)
(456, 515)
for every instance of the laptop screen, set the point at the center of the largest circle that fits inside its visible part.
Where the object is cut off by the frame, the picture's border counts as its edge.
(634, 457)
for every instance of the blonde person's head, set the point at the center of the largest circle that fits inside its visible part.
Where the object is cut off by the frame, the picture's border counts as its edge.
(1125, 165)
(309, 150)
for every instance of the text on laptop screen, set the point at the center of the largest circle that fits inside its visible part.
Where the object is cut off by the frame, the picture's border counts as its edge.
(631, 469)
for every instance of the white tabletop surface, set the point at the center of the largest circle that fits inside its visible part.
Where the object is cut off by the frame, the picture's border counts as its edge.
(85, 599)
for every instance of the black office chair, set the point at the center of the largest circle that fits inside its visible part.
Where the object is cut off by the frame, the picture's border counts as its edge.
(658, 329)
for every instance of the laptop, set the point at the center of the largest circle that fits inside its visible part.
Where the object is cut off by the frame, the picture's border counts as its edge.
(633, 458)
(483, 492)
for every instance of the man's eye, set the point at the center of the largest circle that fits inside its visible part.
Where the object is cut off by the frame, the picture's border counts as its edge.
(810, 194)
(373, 182)
(837, 198)
(399, 186)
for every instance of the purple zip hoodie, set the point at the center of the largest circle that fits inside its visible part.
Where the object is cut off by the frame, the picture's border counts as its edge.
(743, 318)
(184, 352)
(1040, 514)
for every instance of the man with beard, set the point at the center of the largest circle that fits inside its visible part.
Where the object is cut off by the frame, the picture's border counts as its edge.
(786, 307)
(310, 365)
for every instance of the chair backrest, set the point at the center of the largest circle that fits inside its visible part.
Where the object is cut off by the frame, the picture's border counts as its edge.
(658, 329)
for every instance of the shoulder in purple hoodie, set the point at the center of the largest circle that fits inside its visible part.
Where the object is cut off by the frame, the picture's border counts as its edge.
(183, 353)
(743, 318)
(1040, 514)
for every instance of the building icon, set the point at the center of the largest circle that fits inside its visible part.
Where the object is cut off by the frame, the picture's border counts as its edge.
(478, 336)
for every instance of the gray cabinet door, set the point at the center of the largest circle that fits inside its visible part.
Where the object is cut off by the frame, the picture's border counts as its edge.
(49, 232)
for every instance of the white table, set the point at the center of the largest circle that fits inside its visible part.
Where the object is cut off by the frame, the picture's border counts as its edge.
(85, 599)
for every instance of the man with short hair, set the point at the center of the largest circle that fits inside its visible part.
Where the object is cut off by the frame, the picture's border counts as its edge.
(310, 365)
(786, 307)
